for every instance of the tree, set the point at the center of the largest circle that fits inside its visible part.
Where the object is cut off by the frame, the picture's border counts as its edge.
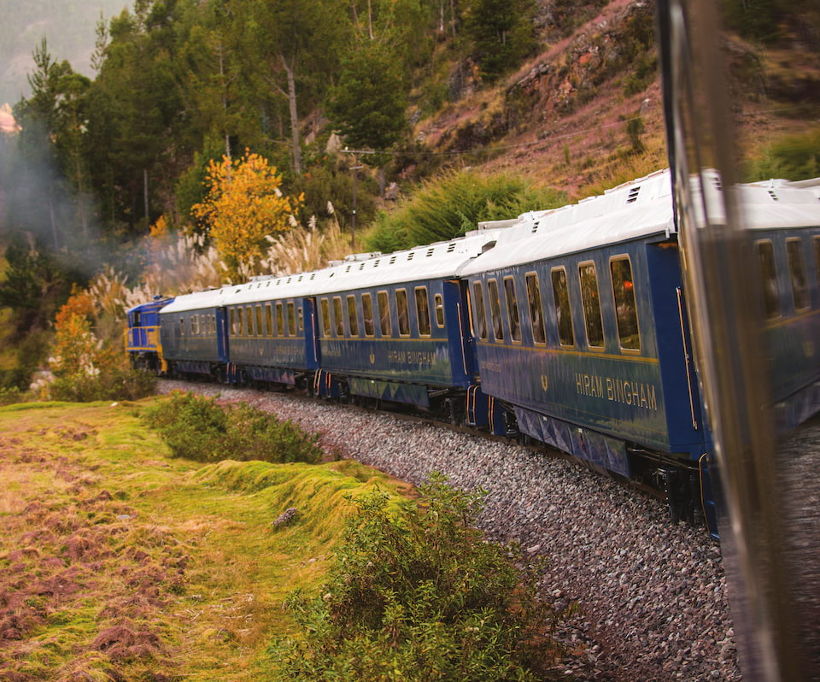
(368, 105)
(244, 205)
(502, 32)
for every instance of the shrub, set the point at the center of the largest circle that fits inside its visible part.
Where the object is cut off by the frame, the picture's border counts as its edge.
(416, 593)
(452, 204)
(196, 427)
(117, 383)
(792, 157)
(10, 395)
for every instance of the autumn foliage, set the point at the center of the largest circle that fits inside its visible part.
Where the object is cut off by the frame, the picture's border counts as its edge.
(243, 206)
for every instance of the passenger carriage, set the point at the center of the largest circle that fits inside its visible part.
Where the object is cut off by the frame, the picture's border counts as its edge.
(393, 327)
(272, 331)
(579, 320)
(194, 334)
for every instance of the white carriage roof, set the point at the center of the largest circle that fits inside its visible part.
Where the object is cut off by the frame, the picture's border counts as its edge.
(442, 259)
(198, 300)
(637, 209)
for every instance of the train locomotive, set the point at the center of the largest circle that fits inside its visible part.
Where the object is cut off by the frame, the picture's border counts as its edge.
(565, 326)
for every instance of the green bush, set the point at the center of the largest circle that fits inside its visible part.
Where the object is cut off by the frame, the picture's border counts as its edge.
(196, 427)
(10, 395)
(417, 594)
(112, 384)
(792, 157)
(452, 204)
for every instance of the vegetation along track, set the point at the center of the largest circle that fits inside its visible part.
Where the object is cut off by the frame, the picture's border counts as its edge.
(651, 595)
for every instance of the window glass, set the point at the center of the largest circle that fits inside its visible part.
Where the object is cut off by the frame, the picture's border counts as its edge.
(240, 328)
(291, 319)
(352, 318)
(195, 324)
(404, 313)
(768, 274)
(280, 320)
(268, 320)
(439, 304)
(563, 313)
(626, 311)
(325, 318)
(797, 271)
(495, 310)
(249, 319)
(337, 314)
(536, 312)
(367, 313)
(423, 310)
(479, 311)
(512, 309)
(592, 304)
(259, 331)
(384, 314)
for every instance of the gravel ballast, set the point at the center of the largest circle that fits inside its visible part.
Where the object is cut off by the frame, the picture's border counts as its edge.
(651, 594)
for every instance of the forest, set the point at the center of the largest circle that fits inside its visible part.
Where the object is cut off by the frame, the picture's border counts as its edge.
(220, 139)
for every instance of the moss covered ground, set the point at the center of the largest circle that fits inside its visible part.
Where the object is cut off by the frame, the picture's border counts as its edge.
(118, 561)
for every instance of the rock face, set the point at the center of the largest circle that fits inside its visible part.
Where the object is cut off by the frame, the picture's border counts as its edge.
(651, 595)
(286, 517)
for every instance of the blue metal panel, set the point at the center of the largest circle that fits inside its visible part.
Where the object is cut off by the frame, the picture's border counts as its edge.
(272, 374)
(609, 453)
(411, 394)
(177, 346)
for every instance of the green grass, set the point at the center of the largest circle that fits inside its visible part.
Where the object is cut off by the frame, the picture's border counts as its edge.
(99, 469)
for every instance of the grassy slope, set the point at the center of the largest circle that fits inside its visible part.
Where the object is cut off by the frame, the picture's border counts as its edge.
(115, 557)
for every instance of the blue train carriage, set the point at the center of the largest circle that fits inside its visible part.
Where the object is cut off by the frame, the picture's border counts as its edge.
(142, 337)
(194, 334)
(392, 328)
(579, 322)
(272, 331)
(784, 219)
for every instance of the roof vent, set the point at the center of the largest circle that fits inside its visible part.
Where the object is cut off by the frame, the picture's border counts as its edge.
(430, 252)
(376, 264)
(347, 269)
(289, 278)
(410, 255)
(534, 228)
(313, 275)
(392, 260)
(361, 267)
(718, 184)
(451, 247)
(633, 194)
(300, 278)
(773, 195)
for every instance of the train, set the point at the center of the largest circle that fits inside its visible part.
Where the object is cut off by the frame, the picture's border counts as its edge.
(566, 327)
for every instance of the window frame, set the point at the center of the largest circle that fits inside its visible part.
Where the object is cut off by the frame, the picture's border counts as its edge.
(495, 316)
(384, 309)
(338, 317)
(269, 320)
(557, 308)
(594, 265)
(528, 276)
(404, 297)
(324, 317)
(438, 306)
(509, 309)
(426, 298)
(479, 309)
(628, 258)
(778, 303)
(352, 315)
(280, 319)
(259, 319)
(369, 329)
(801, 262)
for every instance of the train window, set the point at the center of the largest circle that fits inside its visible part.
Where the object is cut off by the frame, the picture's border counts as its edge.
(194, 324)
(512, 309)
(291, 319)
(800, 290)
(268, 320)
(300, 319)
(352, 317)
(768, 273)
(591, 304)
(337, 314)
(367, 313)
(403, 312)
(384, 314)
(240, 329)
(495, 310)
(539, 334)
(626, 311)
(326, 329)
(560, 293)
(259, 331)
(438, 301)
(280, 320)
(232, 319)
(249, 319)
(423, 310)
(480, 312)
(181, 327)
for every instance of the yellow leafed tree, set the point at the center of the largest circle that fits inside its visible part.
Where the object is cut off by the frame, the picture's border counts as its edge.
(243, 206)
